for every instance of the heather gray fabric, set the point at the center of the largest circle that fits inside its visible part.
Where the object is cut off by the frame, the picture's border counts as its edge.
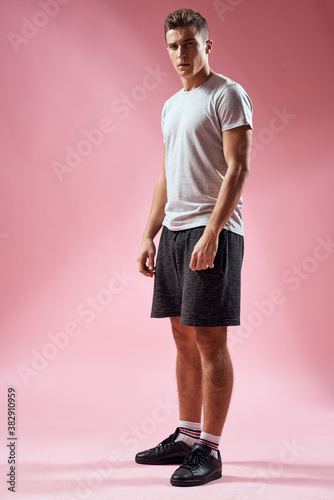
(210, 297)
(192, 124)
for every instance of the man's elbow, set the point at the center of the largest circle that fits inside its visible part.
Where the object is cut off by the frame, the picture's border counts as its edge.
(246, 170)
(240, 169)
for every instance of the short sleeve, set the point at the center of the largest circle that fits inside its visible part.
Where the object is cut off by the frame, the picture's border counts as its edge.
(234, 107)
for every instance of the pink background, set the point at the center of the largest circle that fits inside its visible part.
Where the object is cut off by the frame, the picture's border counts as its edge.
(68, 240)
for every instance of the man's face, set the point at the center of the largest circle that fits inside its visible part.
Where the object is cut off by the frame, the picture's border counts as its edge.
(187, 50)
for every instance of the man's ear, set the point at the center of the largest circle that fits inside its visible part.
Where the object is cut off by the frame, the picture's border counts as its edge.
(208, 46)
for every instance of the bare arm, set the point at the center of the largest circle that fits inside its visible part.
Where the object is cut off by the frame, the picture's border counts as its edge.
(147, 250)
(236, 144)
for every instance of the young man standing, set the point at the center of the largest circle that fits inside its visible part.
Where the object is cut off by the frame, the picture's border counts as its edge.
(207, 129)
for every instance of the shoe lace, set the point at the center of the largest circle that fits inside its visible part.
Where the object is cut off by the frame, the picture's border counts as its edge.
(169, 440)
(194, 459)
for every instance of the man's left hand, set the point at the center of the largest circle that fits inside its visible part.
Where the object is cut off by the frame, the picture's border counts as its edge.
(204, 251)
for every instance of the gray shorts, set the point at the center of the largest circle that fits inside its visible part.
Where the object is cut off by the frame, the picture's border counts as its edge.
(209, 297)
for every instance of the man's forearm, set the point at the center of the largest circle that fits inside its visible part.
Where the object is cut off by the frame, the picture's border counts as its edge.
(157, 213)
(236, 146)
(229, 195)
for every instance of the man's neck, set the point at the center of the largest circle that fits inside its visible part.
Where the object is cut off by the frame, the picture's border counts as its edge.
(197, 80)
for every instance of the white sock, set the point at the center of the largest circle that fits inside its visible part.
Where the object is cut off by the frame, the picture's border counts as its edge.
(189, 432)
(210, 440)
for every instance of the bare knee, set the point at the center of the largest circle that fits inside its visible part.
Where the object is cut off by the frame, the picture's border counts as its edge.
(211, 341)
(184, 336)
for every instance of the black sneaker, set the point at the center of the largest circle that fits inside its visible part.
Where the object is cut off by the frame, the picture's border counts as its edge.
(199, 467)
(168, 452)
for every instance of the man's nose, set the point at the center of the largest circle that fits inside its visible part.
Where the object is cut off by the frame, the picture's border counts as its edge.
(181, 51)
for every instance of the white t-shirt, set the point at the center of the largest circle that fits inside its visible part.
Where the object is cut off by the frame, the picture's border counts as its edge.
(192, 125)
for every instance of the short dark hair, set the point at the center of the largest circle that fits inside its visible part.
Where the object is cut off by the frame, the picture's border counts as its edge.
(187, 17)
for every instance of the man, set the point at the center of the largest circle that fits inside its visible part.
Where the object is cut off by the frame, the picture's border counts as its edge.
(207, 128)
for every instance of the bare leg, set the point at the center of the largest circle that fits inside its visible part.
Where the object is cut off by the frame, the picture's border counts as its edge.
(188, 371)
(217, 377)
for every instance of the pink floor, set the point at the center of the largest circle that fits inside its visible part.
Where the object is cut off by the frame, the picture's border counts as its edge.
(242, 480)
(281, 461)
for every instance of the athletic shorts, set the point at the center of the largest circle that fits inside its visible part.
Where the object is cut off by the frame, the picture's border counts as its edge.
(210, 297)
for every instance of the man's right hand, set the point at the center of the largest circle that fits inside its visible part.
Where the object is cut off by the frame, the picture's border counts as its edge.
(145, 257)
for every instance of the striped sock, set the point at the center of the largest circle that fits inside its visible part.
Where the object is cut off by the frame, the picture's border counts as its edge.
(210, 440)
(189, 432)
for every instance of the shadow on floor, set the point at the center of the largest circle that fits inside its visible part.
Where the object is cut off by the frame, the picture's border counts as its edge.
(55, 477)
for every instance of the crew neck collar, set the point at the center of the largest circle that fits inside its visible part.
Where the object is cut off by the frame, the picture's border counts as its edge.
(192, 90)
